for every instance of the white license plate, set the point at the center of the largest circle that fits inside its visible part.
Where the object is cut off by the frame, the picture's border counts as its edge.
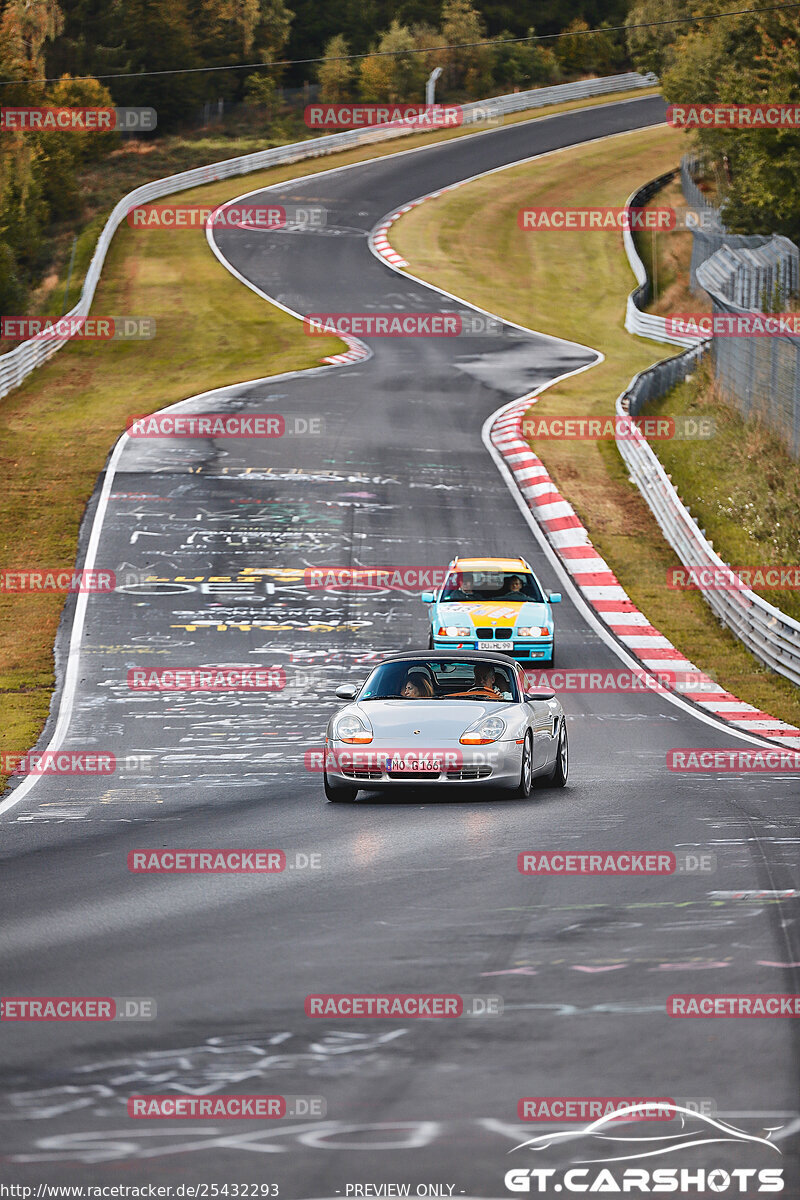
(414, 762)
(500, 647)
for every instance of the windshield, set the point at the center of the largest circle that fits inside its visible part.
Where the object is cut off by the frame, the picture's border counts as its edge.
(492, 585)
(434, 679)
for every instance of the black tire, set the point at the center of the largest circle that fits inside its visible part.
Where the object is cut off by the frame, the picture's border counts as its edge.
(339, 794)
(551, 662)
(430, 642)
(523, 789)
(560, 771)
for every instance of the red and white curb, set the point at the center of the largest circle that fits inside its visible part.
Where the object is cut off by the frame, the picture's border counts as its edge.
(601, 589)
(379, 239)
(357, 352)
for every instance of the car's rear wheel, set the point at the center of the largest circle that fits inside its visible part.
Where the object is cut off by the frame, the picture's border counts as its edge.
(339, 793)
(561, 769)
(523, 788)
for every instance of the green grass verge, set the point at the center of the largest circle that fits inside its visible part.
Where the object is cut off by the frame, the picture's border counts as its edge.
(574, 285)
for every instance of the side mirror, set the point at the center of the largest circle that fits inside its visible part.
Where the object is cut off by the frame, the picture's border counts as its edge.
(554, 597)
(428, 597)
(346, 691)
(540, 696)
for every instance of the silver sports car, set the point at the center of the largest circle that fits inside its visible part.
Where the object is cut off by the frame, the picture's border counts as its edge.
(448, 718)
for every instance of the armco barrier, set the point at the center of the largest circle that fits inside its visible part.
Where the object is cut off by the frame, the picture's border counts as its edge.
(641, 323)
(19, 362)
(772, 636)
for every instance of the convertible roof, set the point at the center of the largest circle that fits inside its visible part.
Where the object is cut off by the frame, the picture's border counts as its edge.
(450, 656)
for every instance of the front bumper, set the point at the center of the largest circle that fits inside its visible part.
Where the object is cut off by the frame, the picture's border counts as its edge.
(525, 651)
(495, 765)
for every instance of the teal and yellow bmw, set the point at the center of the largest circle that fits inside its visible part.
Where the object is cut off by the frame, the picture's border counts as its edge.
(493, 604)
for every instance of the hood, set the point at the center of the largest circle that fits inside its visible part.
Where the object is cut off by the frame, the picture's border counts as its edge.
(394, 721)
(506, 614)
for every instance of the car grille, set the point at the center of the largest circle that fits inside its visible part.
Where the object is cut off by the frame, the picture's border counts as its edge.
(413, 774)
(361, 774)
(469, 773)
(485, 633)
(501, 634)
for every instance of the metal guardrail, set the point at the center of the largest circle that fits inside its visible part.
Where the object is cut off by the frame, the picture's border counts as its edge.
(771, 635)
(19, 362)
(637, 322)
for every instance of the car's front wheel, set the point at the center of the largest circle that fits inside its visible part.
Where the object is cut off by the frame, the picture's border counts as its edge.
(339, 793)
(561, 769)
(523, 788)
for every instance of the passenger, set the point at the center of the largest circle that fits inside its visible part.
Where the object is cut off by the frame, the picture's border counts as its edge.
(417, 687)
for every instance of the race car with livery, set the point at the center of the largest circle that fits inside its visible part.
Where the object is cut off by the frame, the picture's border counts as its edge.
(493, 604)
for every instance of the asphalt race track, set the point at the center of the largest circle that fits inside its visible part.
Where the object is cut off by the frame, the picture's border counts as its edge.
(411, 896)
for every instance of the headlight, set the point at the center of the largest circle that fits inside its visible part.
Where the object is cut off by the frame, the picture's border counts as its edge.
(455, 631)
(534, 631)
(351, 728)
(479, 733)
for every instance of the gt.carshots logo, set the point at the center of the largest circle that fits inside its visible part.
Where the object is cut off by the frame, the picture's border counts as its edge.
(639, 1179)
(609, 1142)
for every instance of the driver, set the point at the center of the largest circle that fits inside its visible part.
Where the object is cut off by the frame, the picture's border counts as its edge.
(467, 589)
(485, 679)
